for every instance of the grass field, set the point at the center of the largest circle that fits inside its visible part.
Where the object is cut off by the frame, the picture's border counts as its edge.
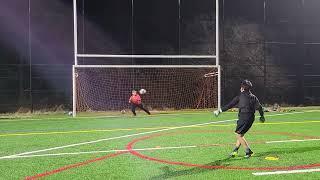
(180, 145)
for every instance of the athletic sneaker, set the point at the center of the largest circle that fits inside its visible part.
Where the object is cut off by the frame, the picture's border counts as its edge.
(248, 154)
(233, 154)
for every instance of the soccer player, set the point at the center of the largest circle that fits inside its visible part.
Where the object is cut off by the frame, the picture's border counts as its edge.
(247, 104)
(135, 101)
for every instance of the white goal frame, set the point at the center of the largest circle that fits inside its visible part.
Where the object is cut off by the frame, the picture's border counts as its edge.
(160, 56)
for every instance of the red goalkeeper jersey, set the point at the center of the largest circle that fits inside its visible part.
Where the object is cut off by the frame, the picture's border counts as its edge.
(135, 99)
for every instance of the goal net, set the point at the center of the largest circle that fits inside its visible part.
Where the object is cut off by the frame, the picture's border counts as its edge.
(108, 88)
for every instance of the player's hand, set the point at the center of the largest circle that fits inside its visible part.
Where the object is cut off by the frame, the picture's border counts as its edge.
(262, 119)
(217, 112)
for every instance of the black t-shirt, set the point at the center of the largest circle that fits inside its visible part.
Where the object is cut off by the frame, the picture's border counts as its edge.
(247, 103)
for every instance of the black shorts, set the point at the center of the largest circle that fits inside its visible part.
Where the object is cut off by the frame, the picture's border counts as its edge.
(244, 123)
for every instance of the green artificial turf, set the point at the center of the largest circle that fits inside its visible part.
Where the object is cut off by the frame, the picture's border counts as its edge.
(179, 145)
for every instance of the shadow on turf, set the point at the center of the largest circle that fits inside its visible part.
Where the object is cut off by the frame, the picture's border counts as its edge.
(168, 173)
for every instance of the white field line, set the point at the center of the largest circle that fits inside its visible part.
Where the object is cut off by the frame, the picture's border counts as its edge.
(293, 140)
(119, 116)
(286, 172)
(81, 117)
(315, 110)
(112, 138)
(56, 118)
(144, 149)
(95, 117)
(108, 151)
(130, 135)
(28, 118)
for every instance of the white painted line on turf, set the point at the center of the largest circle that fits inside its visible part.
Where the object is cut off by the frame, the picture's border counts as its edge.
(293, 140)
(112, 138)
(143, 149)
(29, 118)
(62, 154)
(313, 110)
(91, 117)
(130, 135)
(56, 118)
(120, 116)
(286, 172)
(96, 152)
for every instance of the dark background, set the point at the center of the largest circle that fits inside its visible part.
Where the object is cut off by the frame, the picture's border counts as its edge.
(276, 44)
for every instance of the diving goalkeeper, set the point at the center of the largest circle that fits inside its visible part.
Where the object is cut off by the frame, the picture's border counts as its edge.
(247, 104)
(135, 101)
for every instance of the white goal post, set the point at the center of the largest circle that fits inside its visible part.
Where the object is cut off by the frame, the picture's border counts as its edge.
(76, 66)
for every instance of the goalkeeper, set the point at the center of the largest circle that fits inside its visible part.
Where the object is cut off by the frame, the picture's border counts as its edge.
(135, 101)
(247, 104)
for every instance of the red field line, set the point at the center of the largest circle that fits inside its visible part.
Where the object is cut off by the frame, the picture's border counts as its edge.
(73, 166)
(131, 144)
(135, 153)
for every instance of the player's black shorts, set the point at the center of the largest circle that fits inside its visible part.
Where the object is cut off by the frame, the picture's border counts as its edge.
(244, 123)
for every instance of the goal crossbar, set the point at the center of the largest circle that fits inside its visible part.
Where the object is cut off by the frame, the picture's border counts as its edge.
(142, 56)
(145, 66)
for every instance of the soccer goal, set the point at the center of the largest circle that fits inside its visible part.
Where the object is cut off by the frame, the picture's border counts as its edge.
(172, 87)
(169, 87)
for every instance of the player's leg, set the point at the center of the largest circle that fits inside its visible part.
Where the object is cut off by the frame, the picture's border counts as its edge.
(238, 144)
(240, 124)
(133, 109)
(243, 125)
(247, 119)
(234, 153)
(143, 108)
(248, 151)
(242, 140)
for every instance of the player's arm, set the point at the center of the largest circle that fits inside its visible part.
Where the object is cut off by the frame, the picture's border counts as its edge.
(230, 105)
(260, 109)
(130, 99)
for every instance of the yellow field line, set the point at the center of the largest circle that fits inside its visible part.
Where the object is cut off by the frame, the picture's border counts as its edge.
(275, 123)
(146, 128)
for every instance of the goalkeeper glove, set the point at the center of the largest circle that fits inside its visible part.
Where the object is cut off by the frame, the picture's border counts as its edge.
(262, 119)
(217, 112)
